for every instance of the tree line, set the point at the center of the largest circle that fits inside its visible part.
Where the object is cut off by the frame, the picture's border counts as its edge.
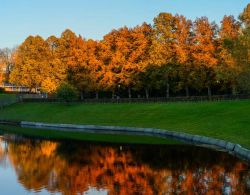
(174, 55)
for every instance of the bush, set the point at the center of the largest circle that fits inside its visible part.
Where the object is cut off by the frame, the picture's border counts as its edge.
(244, 81)
(1, 90)
(66, 92)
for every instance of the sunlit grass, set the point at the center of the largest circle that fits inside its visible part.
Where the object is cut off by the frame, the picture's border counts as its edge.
(228, 120)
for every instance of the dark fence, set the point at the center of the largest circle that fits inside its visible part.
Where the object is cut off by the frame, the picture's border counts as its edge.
(8, 101)
(145, 100)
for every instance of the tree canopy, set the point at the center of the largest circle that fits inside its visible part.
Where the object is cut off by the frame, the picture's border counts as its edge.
(173, 55)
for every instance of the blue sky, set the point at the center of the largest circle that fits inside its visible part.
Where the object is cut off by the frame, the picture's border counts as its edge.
(95, 18)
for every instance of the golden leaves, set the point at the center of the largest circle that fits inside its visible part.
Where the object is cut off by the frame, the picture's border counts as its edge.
(188, 52)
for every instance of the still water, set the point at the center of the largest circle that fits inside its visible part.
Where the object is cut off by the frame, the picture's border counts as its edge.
(38, 166)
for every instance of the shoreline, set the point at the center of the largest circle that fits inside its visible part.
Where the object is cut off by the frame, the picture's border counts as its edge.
(232, 148)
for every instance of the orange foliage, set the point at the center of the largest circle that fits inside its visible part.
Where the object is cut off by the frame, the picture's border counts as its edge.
(174, 53)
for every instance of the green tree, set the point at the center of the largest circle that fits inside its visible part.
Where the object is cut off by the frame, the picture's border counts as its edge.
(242, 56)
(228, 69)
(66, 92)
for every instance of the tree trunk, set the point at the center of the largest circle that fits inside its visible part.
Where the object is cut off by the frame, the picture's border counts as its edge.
(82, 95)
(234, 90)
(113, 94)
(129, 93)
(146, 93)
(96, 95)
(209, 92)
(187, 91)
(167, 90)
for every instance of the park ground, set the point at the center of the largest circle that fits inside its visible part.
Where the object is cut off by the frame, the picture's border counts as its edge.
(227, 120)
(4, 96)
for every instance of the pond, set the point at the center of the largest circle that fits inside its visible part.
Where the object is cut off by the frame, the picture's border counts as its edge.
(40, 166)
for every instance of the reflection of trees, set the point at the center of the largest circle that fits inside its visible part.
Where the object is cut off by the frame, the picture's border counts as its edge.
(35, 163)
(199, 169)
(3, 152)
(72, 168)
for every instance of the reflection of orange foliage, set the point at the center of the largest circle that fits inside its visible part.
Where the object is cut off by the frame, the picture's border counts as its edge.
(72, 168)
(47, 148)
(1, 150)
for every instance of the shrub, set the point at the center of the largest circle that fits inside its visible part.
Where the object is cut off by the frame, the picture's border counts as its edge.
(66, 92)
(1, 90)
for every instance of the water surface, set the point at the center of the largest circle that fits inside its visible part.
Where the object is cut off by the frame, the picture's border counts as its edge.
(39, 166)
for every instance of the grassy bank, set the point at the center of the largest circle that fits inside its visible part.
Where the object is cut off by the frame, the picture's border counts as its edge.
(228, 120)
(52, 134)
(5, 96)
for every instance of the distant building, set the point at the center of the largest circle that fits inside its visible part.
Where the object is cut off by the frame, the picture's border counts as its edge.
(14, 88)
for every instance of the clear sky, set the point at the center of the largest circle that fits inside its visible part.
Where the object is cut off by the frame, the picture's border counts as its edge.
(95, 18)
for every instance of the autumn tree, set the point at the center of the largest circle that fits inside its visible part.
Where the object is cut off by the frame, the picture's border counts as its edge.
(75, 60)
(69, 51)
(228, 69)
(182, 49)
(162, 50)
(117, 49)
(125, 55)
(245, 16)
(88, 73)
(204, 53)
(58, 71)
(171, 51)
(31, 63)
(95, 67)
(37, 64)
(140, 43)
(110, 78)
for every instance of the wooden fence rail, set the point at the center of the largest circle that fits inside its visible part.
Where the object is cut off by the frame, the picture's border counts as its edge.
(144, 100)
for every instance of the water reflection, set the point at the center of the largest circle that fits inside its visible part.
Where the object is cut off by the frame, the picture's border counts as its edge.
(72, 167)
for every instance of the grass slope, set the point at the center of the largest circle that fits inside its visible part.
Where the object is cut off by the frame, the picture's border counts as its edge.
(4, 96)
(228, 120)
(53, 134)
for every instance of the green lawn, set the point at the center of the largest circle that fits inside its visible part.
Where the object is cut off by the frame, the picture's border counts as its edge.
(228, 120)
(4, 96)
